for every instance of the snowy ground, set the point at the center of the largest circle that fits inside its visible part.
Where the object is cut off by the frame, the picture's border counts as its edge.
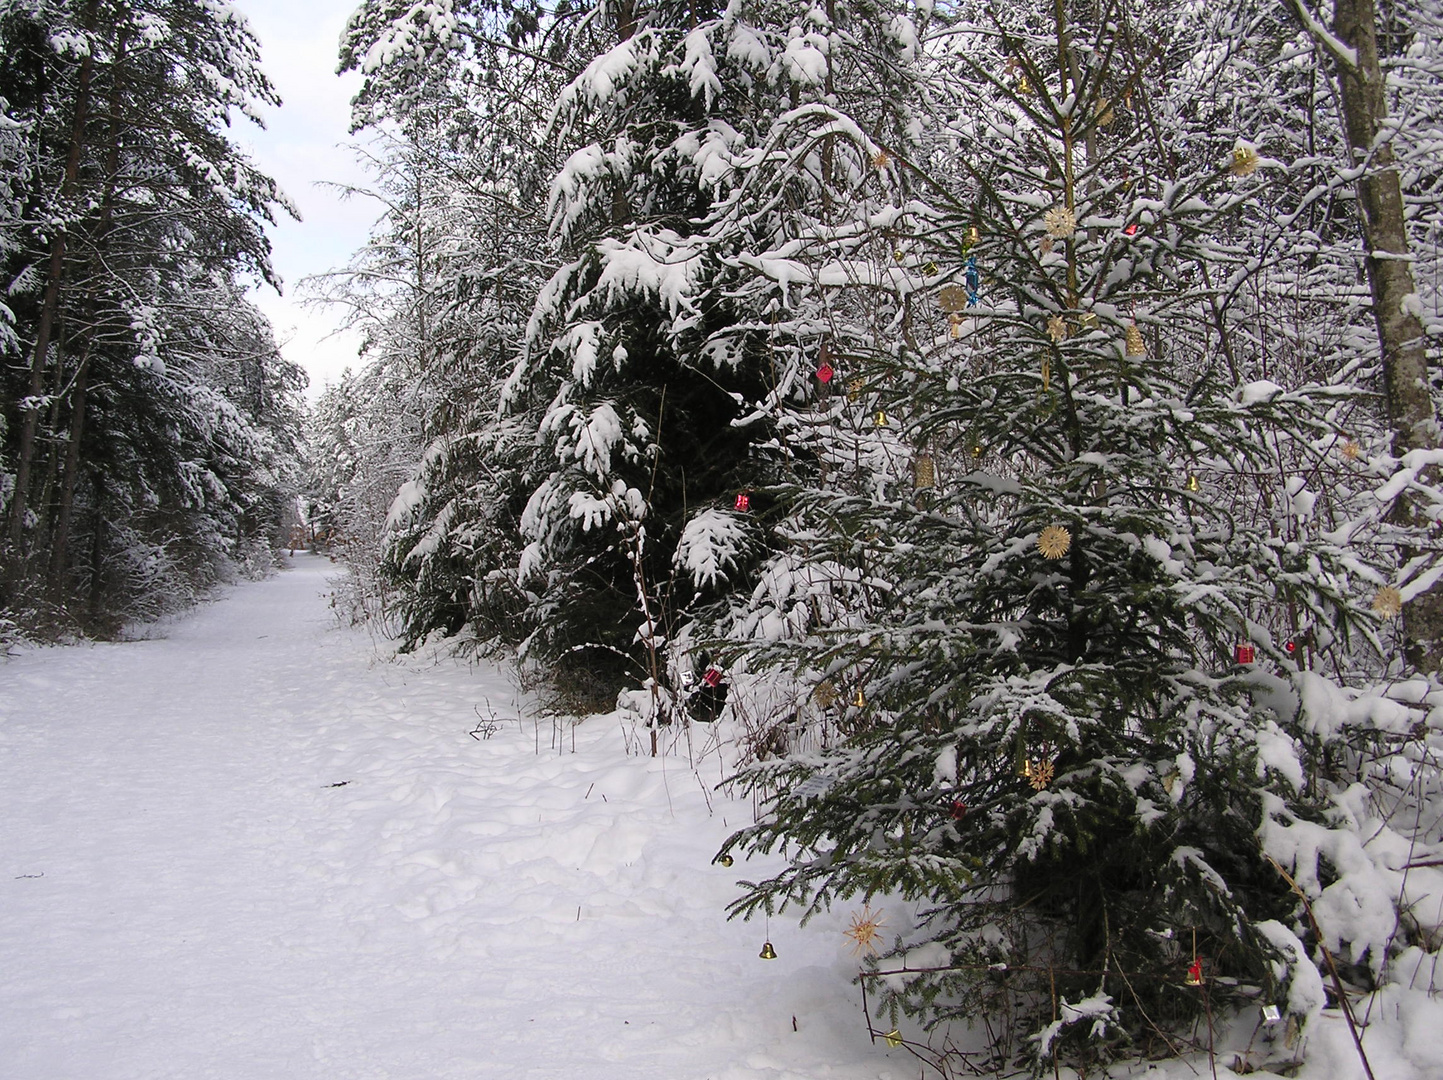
(251, 850)
(183, 893)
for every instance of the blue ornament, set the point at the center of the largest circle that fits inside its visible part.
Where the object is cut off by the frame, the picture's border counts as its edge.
(974, 281)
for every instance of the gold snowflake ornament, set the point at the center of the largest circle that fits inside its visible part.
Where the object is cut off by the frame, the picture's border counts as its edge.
(1040, 773)
(1057, 329)
(881, 159)
(1388, 603)
(1061, 222)
(1054, 541)
(865, 930)
(1351, 450)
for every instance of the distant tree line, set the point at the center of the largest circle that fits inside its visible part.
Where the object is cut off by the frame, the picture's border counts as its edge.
(149, 429)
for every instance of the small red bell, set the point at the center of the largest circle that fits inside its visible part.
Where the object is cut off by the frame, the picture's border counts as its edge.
(1245, 654)
(1194, 973)
(744, 502)
(825, 371)
(713, 677)
(1131, 230)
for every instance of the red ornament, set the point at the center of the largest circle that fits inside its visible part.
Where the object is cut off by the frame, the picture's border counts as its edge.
(1194, 973)
(1245, 654)
(959, 809)
(1291, 647)
(1131, 230)
(744, 502)
(825, 372)
(713, 677)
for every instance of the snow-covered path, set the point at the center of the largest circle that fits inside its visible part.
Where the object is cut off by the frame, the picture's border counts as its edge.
(185, 890)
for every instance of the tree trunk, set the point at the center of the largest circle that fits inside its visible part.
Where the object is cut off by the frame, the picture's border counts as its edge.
(60, 543)
(1390, 279)
(49, 309)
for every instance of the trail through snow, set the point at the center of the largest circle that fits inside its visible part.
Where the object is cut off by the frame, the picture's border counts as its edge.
(251, 850)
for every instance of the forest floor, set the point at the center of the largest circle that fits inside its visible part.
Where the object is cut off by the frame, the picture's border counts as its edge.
(255, 846)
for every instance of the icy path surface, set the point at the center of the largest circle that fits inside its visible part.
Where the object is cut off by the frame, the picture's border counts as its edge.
(252, 851)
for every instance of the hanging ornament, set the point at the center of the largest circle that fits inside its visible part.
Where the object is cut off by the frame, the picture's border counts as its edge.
(1023, 86)
(1131, 230)
(930, 269)
(893, 1038)
(743, 503)
(954, 325)
(1057, 329)
(825, 694)
(1193, 483)
(974, 280)
(1244, 654)
(864, 930)
(1351, 450)
(1135, 347)
(724, 859)
(1271, 1014)
(1046, 373)
(1045, 246)
(1244, 160)
(1388, 602)
(952, 298)
(974, 235)
(1061, 222)
(1194, 973)
(1088, 320)
(924, 473)
(855, 385)
(1290, 648)
(1105, 115)
(880, 419)
(825, 371)
(1054, 541)
(767, 953)
(713, 677)
(687, 678)
(1040, 773)
(898, 254)
(976, 450)
(881, 159)
(860, 701)
(958, 810)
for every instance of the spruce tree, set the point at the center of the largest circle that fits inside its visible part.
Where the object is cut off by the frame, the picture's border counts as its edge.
(1046, 620)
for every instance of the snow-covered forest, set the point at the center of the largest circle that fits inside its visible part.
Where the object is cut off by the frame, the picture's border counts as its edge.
(1006, 433)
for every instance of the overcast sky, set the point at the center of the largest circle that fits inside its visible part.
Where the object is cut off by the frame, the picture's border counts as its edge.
(305, 143)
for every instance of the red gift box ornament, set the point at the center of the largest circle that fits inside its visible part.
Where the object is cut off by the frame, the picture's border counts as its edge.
(1131, 230)
(959, 810)
(713, 677)
(1245, 654)
(744, 502)
(825, 371)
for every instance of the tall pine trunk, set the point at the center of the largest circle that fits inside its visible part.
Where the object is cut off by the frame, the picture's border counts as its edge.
(49, 312)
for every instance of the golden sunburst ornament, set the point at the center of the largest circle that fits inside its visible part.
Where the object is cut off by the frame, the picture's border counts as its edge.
(865, 930)
(1061, 222)
(1388, 602)
(1054, 541)
(1244, 160)
(1351, 450)
(881, 159)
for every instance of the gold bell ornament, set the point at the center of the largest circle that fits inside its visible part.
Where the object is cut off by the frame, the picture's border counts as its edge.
(860, 701)
(767, 953)
(1193, 483)
(974, 234)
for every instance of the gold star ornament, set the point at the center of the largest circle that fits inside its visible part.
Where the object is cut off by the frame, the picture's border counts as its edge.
(865, 930)
(1061, 222)
(1054, 541)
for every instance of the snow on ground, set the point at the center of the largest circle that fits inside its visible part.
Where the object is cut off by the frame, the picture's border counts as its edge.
(184, 893)
(252, 850)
